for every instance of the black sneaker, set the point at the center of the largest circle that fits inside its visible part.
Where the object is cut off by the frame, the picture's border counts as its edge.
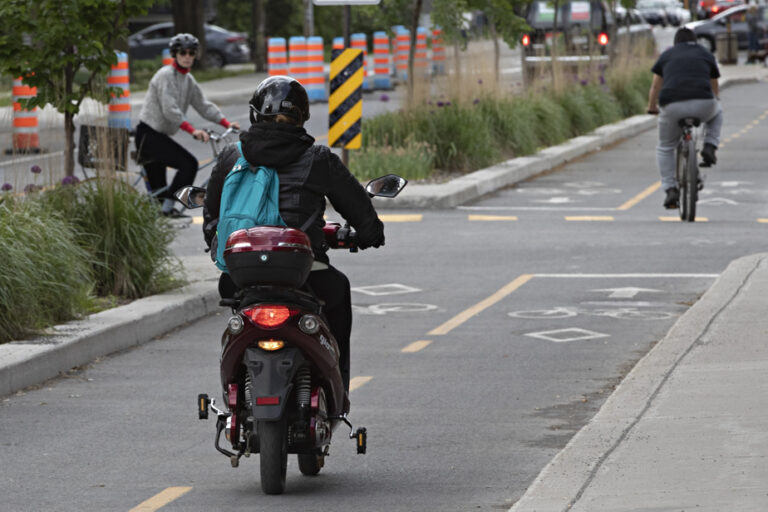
(673, 196)
(708, 155)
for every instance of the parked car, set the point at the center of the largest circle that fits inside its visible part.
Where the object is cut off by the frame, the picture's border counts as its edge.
(653, 12)
(707, 30)
(676, 14)
(222, 46)
(709, 8)
(583, 33)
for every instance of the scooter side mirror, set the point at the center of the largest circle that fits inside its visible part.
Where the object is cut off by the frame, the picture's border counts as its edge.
(386, 186)
(191, 197)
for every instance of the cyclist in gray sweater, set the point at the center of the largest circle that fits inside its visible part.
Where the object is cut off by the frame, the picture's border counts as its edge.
(171, 91)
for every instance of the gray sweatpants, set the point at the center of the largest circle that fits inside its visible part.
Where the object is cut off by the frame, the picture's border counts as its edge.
(708, 111)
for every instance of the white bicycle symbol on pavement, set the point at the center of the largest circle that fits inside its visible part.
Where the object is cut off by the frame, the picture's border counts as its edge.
(622, 313)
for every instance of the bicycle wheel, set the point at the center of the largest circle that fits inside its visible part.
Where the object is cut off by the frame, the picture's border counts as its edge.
(682, 163)
(691, 195)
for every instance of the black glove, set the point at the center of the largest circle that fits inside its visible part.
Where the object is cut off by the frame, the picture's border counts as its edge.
(378, 242)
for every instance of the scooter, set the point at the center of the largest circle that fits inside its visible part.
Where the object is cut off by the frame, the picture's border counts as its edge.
(282, 387)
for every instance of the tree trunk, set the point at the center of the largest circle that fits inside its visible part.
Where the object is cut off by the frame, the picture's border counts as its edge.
(69, 125)
(259, 21)
(496, 52)
(309, 19)
(412, 50)
(188, 16)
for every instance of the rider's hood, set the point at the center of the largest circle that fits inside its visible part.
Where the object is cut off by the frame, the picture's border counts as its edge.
(275, 144)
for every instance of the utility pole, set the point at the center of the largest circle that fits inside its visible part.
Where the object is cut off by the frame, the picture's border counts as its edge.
(309, 18)
(258, 27)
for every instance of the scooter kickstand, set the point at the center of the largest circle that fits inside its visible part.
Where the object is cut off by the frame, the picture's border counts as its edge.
(360, 435)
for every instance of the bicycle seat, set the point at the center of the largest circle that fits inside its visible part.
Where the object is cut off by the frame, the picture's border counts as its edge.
(689, 121)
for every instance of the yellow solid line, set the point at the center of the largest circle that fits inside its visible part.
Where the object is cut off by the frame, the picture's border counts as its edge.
(589, 218)
(492, 217)
(639, 197)
(401, 218)
(480, 306)
(677, 219)
(197, 220)
(416, 346)
(356, 382)
(161, 499)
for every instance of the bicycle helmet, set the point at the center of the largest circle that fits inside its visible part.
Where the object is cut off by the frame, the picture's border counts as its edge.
(183, 41)
(279, 95)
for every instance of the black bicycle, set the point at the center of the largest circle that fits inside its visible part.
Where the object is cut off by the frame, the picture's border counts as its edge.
(687, 169)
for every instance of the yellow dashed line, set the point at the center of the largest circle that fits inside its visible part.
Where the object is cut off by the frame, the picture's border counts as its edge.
(677, 219)
(755, 122)
(762, 221)
(639, 197)
(401, 218)
(480, 306)
(492, 217)
(356, 382)
(416, 346)
(589, 218)
(161, 499)
(197, 220)
(735, 136)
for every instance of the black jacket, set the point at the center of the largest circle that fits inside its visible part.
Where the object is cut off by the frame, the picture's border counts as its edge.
(308, 174)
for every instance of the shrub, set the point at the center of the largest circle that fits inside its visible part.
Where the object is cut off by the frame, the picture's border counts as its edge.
(45, 277)
(122, 230)
(413, 161)
(581, 117)
(552, 125)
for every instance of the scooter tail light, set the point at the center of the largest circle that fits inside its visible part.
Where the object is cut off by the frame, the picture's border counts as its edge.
(602, 38)
(270, 345)
(269, 317)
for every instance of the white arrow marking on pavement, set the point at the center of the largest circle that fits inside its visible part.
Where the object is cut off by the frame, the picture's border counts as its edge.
(734, 183)
(625, 293)
(566, 335)
(554, 200)
(717, 201)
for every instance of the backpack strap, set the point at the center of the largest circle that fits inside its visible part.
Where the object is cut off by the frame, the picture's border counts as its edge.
(314, 215)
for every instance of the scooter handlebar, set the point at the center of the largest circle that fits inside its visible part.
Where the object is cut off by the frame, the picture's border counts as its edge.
(340, 237)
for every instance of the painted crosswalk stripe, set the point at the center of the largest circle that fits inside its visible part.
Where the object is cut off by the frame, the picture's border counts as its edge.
(416, 346)
(161, 499)
(492, 217)
(357, 382)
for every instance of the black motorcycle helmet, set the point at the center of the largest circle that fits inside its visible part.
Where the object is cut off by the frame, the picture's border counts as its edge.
(183, 41)
(279, 95)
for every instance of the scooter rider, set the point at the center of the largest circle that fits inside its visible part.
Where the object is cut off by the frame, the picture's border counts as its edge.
(307, 173)
(171, 91)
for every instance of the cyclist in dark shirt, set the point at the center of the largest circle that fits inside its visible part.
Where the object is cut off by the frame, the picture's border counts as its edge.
(684, 85)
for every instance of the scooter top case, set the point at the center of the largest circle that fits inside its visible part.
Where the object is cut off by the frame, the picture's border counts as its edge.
(268, 255)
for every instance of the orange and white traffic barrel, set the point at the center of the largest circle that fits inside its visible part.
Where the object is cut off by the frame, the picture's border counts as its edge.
(167, 59)
(338, 43)
(438, 51)
(420, 55)
(25, 129)
(359, 41)
(403, 38)
(277, 57)
(297, 59)
(315, 80)
(120, 103)
(382, 61)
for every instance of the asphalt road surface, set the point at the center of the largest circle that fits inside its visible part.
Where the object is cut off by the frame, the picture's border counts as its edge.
(484, 338)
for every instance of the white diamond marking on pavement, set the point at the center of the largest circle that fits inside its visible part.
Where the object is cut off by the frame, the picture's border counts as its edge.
(385, 289)
(566, 335)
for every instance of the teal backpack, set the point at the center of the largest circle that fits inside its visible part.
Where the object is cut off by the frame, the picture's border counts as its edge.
(249, 198)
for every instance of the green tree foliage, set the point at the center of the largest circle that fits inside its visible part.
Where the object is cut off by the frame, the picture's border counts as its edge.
(50, 42)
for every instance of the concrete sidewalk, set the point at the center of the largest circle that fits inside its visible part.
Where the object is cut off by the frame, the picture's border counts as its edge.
(687, 428)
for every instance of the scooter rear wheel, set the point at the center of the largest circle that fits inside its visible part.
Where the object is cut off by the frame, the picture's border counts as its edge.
(310, 463)
(273, 454)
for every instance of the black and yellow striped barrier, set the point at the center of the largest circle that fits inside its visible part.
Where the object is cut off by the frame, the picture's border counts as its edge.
(345, 105)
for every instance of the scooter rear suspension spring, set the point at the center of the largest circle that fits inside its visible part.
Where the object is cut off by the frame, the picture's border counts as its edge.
(303, 387)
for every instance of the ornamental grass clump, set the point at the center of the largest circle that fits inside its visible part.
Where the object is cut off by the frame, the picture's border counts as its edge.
(414, 161)
(127, 239)
(46, 275)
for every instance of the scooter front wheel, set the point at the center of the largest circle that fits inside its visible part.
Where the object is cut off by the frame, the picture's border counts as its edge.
(273, 454)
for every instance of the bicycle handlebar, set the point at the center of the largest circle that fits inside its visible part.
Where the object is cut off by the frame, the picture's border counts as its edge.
(214, 135)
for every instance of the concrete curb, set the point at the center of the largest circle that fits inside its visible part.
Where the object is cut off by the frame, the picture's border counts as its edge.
(561, 483)
(30, 362)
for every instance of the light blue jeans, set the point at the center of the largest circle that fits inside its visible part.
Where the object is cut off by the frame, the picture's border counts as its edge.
(708, 111)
